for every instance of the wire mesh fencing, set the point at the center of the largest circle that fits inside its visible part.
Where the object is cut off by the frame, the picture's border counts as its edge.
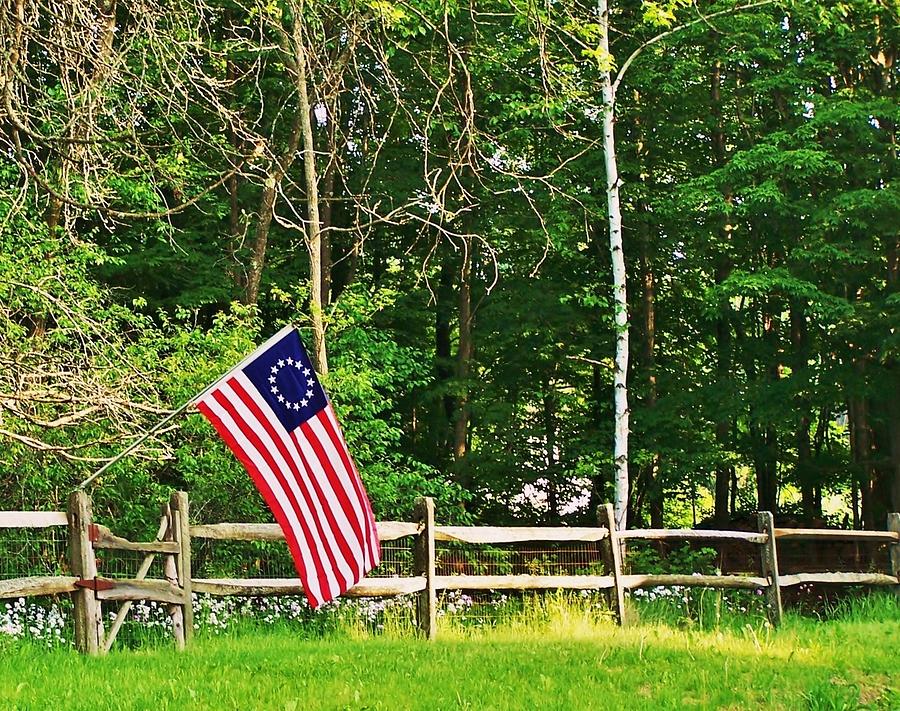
(260, 560)
(27, 552)
(474, 608)
(578, 558)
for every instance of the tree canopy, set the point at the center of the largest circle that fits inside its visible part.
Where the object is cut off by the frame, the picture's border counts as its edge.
(422, 187)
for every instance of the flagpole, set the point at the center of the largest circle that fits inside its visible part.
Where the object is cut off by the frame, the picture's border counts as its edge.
(134, 445)
(172, 415)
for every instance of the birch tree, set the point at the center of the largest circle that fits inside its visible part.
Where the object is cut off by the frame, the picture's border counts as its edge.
(620, 296)
(608, 88)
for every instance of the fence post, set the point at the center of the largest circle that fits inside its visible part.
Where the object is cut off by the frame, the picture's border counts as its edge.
(769, 564)
(424, 564)
(893, 524)
(83, 563)
(612, 549)
(170, 567)
(181, 509)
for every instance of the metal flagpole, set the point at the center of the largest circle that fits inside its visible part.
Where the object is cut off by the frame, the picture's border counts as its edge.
(172, 415)
(134, 445)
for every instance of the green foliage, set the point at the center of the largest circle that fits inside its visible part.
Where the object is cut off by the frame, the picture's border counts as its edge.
(683, 560)
(757, 153)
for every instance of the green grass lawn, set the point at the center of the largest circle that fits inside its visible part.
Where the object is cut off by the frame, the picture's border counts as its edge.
(565, 660)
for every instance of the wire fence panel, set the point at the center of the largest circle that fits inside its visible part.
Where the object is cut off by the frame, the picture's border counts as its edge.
(241, 559)
(518, 559)
(26, 552)
(124, 565)
(212, 558)
(663, 567)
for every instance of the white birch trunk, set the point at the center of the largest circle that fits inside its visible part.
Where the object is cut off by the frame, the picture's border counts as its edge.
(620, 377)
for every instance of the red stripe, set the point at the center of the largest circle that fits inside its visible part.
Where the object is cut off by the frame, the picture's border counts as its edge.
(333, 429)
(375, 546)
(268, 496)
(351, 558)
(350, 510)
(361, 489)
(308, 540)
(333, 480)
(338, 441)
(310, 502)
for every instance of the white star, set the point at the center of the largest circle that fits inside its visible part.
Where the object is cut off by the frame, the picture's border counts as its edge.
(309, 383)
(298, 365)
(280, 398)
(271, 378)
(306, 372)
(296, 405)
(275, 389)
(304, 402)
(280, 363)
(309, 393)
(274, 368)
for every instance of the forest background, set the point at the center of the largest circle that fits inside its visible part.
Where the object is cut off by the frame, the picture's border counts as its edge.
(422, 187)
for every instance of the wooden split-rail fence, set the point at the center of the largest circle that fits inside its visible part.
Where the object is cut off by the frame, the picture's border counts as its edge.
(89, 589)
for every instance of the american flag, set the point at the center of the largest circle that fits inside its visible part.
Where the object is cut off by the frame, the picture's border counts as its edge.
(276, 418)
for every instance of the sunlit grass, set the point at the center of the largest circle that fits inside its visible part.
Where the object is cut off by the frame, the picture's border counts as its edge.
(558, 652)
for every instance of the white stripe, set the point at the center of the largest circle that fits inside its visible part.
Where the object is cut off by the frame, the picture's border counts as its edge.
(319, 431)
(357, 546)
(312, 577)
(315, 540)
(370, 518)
(344, 475)
(353, 474)
(349, 577)
(344, 524)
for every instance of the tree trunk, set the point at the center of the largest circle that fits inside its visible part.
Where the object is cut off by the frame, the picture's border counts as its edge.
(805, 473)
(463, 354)
(771, 436)
(551, 449)
(314, 222)
(765, 464)
(267, 211)
(648, 357)
(892, 371)
(894, 434)
(328, 183)
(620, 376)
(443, 353)
(234, 213)
(763, 434)
(880, 411)
(724, 471)
(861, 444)
(598, 397)
(260, 240)
(647, 485)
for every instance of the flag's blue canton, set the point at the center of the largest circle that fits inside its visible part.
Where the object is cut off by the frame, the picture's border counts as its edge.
(284, 376)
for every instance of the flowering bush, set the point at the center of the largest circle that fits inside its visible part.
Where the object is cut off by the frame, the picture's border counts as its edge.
(51, 622)
(218, 615)
(48, 624)
(679, 603)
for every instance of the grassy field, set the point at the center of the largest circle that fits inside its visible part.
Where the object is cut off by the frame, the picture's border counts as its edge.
(563, 658)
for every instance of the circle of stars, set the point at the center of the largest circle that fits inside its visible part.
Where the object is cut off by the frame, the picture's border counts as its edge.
(307, 374)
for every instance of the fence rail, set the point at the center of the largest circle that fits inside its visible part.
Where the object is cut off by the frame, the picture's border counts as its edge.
(33, 519)
(89, 589)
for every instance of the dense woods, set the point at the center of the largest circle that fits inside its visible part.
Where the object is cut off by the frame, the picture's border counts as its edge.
(441, 195)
